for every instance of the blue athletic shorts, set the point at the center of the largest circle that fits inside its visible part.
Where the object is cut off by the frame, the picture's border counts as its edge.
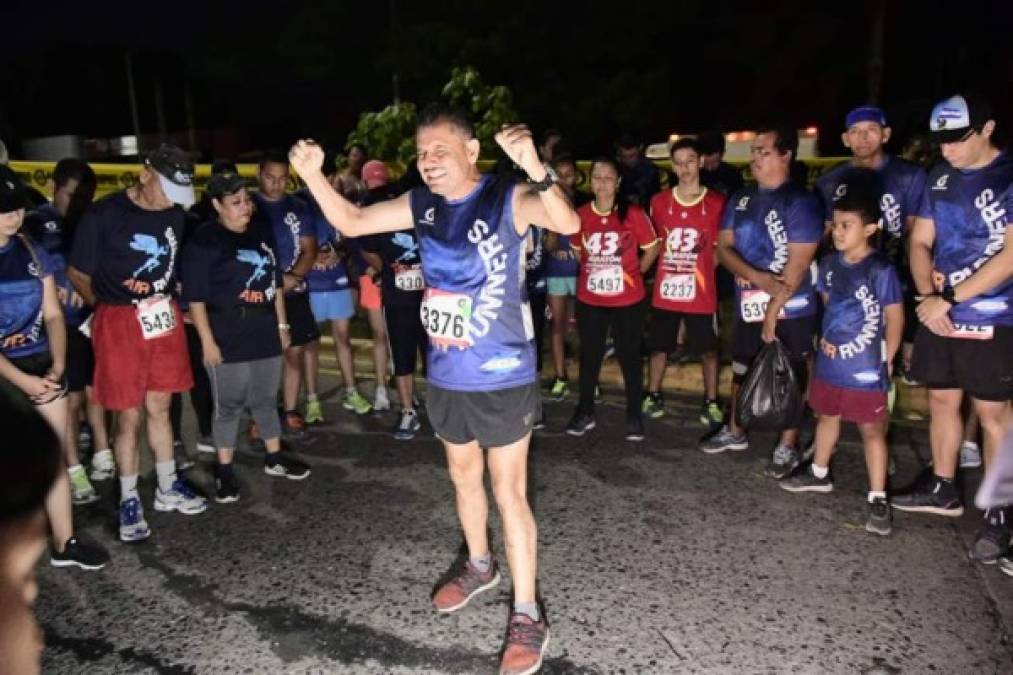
(328, 305)
(561, 285)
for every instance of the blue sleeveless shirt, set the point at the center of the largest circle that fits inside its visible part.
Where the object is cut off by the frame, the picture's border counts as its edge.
(476, 306)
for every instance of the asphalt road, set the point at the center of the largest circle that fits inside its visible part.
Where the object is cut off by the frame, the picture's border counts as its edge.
(654, 558)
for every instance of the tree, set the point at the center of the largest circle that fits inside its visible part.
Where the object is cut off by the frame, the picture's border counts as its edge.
(390, 133)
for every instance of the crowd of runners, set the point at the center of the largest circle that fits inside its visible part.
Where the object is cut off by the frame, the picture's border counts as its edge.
(112, 309)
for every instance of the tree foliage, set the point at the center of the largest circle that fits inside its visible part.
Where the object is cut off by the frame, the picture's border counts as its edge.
(390, 133)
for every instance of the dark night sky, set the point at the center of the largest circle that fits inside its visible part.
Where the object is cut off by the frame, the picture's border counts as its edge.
(273, 71)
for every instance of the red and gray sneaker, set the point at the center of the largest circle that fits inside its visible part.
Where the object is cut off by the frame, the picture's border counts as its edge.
(526, 643)
(459, 591)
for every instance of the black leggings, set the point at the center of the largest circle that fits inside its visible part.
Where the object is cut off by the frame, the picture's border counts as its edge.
(537, 302)
(627, 324)
(200, 395)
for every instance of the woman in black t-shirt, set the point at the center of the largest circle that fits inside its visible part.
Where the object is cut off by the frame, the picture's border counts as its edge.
(233, 284)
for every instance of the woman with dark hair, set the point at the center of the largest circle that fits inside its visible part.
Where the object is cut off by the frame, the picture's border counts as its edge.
(233, 283)
(610, 292)
(33, 352)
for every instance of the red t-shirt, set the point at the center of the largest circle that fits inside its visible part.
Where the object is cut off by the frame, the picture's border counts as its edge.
(689, 235)
(609, 266)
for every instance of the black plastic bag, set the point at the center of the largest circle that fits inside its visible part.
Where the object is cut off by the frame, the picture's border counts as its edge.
(770, 398)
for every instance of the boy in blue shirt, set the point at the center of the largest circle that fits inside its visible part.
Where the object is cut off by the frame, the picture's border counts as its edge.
(862, 328)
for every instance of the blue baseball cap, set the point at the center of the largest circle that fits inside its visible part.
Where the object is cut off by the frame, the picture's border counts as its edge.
(951, 120)
(865, 113)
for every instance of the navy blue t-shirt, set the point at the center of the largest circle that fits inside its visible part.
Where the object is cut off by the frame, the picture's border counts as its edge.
(972, 211)
(232, 271)
(290, 219)
(401, 278)
(46, 226)
(765, 222)
(535, 262)
(903, 184)
(852, 348)
(130, 253)
(329, 272)
(22, 328)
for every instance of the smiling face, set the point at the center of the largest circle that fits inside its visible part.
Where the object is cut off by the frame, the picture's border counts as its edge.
(10, 223)
(446, 159)
(604, 183)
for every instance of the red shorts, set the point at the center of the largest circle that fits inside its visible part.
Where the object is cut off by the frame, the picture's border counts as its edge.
(853, 405)
(127, 366)
(369, 293)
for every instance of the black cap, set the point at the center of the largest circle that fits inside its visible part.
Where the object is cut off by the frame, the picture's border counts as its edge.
(225, 183)
(951, 120)
(13, 193)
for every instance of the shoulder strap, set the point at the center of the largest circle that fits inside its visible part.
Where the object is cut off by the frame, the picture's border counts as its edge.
(31, 251)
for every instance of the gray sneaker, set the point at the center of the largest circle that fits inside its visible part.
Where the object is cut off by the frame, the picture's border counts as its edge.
(723, 440)
(880, 518)
(783, 461)
(806, 481)
(993, 539)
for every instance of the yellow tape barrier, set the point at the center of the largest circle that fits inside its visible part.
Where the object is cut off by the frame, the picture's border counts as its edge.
(114, 177)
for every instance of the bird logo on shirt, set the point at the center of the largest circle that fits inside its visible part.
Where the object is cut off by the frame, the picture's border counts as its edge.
(258, 261)
(408, 243)
(147, 244)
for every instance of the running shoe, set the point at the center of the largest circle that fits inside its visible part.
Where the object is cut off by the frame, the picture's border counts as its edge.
(580, 424)
(635, 429)
(929, 497)
(526, 643)
(408, 425)
(355, 401)
(81, 490)
(880, 517)
(183, 461)
(539, 423)
(180, 497)
(993, 539)
(783, 461)
(806, 481)
(76, 554)
(381, 401)
(293, 426)
(103, 466)
(970, 455)
(284, 465)
(226, 487)
(206, 445)
(723, 440)
(653, 405)
(711, 413)
(459, 591)
(133, 527)
(314, 412)
(1006, 565)
(559, 389)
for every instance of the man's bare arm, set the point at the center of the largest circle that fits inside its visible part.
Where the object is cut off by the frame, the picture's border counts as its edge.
(82, 284)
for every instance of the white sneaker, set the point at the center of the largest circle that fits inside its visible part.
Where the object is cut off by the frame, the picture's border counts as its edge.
(103, 466)
(970, 455)
(381, 401)
(180, 497)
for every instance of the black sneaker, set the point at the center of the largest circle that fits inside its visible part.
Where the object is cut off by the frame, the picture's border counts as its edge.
(806, 481)
(880, 518)
(634, 429)
(539, 423)
(76, 554)
(226, 487)
(783, 461)
(286, 466)
(929, 499)
(183, 461)
(993, 540)
(580, 424)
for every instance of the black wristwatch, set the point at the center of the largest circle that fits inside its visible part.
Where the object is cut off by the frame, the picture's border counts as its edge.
(948, 294)
(551, 178)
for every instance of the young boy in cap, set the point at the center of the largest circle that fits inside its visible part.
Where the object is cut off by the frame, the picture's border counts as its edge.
(962, 265)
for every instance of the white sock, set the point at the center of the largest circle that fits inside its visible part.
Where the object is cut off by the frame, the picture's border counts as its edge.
(77, 468)
(166, 474)
(970, 445)
(128, 488)
(380, 388)
(102, 453)
(311, 397)
(351, 390)
(820, 471)
(873, 495)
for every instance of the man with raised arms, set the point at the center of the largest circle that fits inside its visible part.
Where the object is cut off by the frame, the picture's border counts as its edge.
(483, 387)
